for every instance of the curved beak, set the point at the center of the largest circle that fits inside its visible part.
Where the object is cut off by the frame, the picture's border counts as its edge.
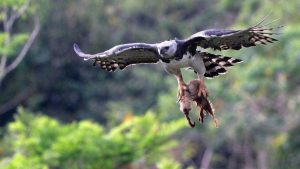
(160, 55)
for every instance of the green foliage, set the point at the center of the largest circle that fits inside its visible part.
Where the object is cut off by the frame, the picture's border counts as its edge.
(12, 7)
(12, 3)
(42, 142)
(12, 48)
(286, 149)
(19, 161)
(166, 163)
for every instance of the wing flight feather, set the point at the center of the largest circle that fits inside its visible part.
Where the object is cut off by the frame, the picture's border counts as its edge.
(122, 55)
(223, 39)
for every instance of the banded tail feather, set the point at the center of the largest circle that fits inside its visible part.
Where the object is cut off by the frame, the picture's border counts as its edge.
(217, 64)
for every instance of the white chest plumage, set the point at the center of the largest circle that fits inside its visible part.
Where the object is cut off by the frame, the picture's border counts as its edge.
(174, 65)
(188, 60)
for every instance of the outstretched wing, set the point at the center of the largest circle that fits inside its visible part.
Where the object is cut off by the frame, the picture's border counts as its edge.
(223, 39)
(122, 55)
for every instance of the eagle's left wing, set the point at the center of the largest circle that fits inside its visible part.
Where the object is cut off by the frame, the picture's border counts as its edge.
(223, 39)
(121, 56)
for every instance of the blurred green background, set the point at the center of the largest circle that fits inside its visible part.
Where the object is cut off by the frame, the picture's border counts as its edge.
(58, 112)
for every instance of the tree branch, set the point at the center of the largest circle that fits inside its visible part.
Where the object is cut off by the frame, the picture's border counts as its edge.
(7, 41)
(2, 67)
(14, 102)
(25, 48)
(8, 23)
(206, 159)
(262, 159)
(16, 14)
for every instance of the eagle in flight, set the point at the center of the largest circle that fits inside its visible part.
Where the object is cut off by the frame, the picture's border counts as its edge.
(185, 53)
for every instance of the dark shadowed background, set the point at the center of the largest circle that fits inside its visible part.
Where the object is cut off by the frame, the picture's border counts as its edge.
(57, 111)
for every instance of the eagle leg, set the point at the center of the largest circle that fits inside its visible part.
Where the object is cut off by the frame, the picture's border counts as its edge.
(181, 86)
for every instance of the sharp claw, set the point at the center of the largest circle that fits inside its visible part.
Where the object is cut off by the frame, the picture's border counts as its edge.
(201, 116)
(186, 113)
(191, 124)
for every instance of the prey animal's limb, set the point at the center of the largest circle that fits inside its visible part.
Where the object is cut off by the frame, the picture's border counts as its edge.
(185, 106)
(200, 98)
(202, 102)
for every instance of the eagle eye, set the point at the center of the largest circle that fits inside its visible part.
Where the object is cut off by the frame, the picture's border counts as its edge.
(167, 47)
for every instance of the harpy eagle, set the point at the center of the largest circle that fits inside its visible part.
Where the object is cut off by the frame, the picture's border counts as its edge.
(185, 53)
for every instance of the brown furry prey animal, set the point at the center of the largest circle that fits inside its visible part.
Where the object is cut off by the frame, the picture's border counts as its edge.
(185, 53)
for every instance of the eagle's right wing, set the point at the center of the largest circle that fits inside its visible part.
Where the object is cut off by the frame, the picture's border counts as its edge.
(223, 39)
(122, 55)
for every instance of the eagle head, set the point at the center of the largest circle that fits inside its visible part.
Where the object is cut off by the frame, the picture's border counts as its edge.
(167, 49)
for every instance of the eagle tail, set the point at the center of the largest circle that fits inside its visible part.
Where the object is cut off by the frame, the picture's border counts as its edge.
(217, 64)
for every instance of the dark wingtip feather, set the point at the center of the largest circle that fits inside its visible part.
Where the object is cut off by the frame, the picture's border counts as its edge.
(228, 64)
(81, 54)
(221, 70)
(237, 61)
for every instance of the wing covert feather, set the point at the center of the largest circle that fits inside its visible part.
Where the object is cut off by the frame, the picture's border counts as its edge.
(122, 55)
(223, 39)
